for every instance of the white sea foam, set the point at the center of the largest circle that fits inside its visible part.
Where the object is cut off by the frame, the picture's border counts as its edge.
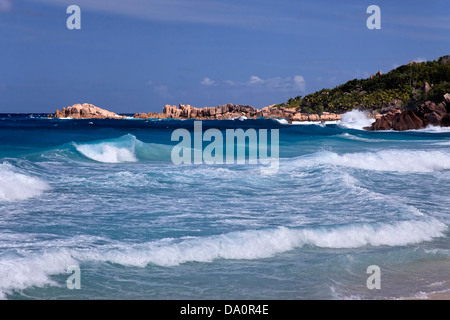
(107, 153)
(356, 138)
(259, 244)
(434, 129)
(355, 119)
(113, 151)
(319, 123)
(385, 160)
(32, 269)
(281, 121)
(441, 143)
(21, 272)
(15, 185)
(124, 149)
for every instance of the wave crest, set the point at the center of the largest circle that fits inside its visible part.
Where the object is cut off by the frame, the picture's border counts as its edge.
(355, 119)
(18, 186)
(19, 272)
(384, 160)
(124, 149)
(32, 269)
(259, 244)
(110, 151)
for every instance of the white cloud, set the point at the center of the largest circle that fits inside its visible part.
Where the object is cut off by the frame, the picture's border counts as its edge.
(255, 80)
(5, 5)
(278, 84)
(418, 60)
(299, 83)
(207, 82)
(230, 83)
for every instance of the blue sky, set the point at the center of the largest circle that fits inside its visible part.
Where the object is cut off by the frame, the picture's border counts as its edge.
(136, 56)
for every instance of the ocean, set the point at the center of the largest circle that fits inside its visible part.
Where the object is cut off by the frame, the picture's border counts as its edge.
(100, 204)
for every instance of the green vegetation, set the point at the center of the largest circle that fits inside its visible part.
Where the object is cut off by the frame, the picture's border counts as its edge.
(403, 86)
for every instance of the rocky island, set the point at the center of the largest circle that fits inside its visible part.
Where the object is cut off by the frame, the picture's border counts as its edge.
(233, 111)
(228, 111)
(412, 96)
(86, 111)
(428, 113)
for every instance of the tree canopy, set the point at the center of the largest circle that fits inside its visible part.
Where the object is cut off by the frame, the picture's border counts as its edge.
(406, 85)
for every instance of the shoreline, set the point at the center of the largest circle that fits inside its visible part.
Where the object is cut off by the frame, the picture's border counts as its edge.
(221, 112)
(395, 117)
(129, 116)
(438, 295)
(282, 121)
(444, 295)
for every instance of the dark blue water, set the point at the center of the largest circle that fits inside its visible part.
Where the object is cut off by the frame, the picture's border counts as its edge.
(105, 196)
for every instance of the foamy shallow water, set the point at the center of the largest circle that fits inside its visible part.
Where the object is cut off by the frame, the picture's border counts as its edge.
(104, 196)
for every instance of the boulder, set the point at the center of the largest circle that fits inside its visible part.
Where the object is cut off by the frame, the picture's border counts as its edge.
(177, 113)
(86, 111)
(326, 116)
(219, 110)
(447, 97)
(299, 117)
(380, 124)
(431, 113)
(445, 122)
(433, 118)
(141, 116)
(194, 113)
(384, 122)
(407, 120)
(428, 113)
(426, 87)
(170, 110)
(150, 115)
(185, 110)
(276, 113)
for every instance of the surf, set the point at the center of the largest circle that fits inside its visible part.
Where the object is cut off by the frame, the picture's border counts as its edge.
(391, 160)
(355, 119)
(16, 185)
(262, 244)
(125, 149)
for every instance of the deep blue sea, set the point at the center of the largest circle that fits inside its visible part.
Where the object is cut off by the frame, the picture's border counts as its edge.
(104, 196)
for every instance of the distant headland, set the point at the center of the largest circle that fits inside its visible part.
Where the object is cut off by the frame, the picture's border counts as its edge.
(411, 96)
(227, 111)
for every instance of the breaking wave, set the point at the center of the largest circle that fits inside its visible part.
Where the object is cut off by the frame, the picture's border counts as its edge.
(355, 119)
(112, 151)
(33, 269)
(356, 138)
(16, 185)
(21, 272)
(121, 150)
(259, 244)
(384, 160)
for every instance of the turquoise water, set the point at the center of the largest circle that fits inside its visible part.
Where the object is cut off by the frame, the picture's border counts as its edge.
(104, 196)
